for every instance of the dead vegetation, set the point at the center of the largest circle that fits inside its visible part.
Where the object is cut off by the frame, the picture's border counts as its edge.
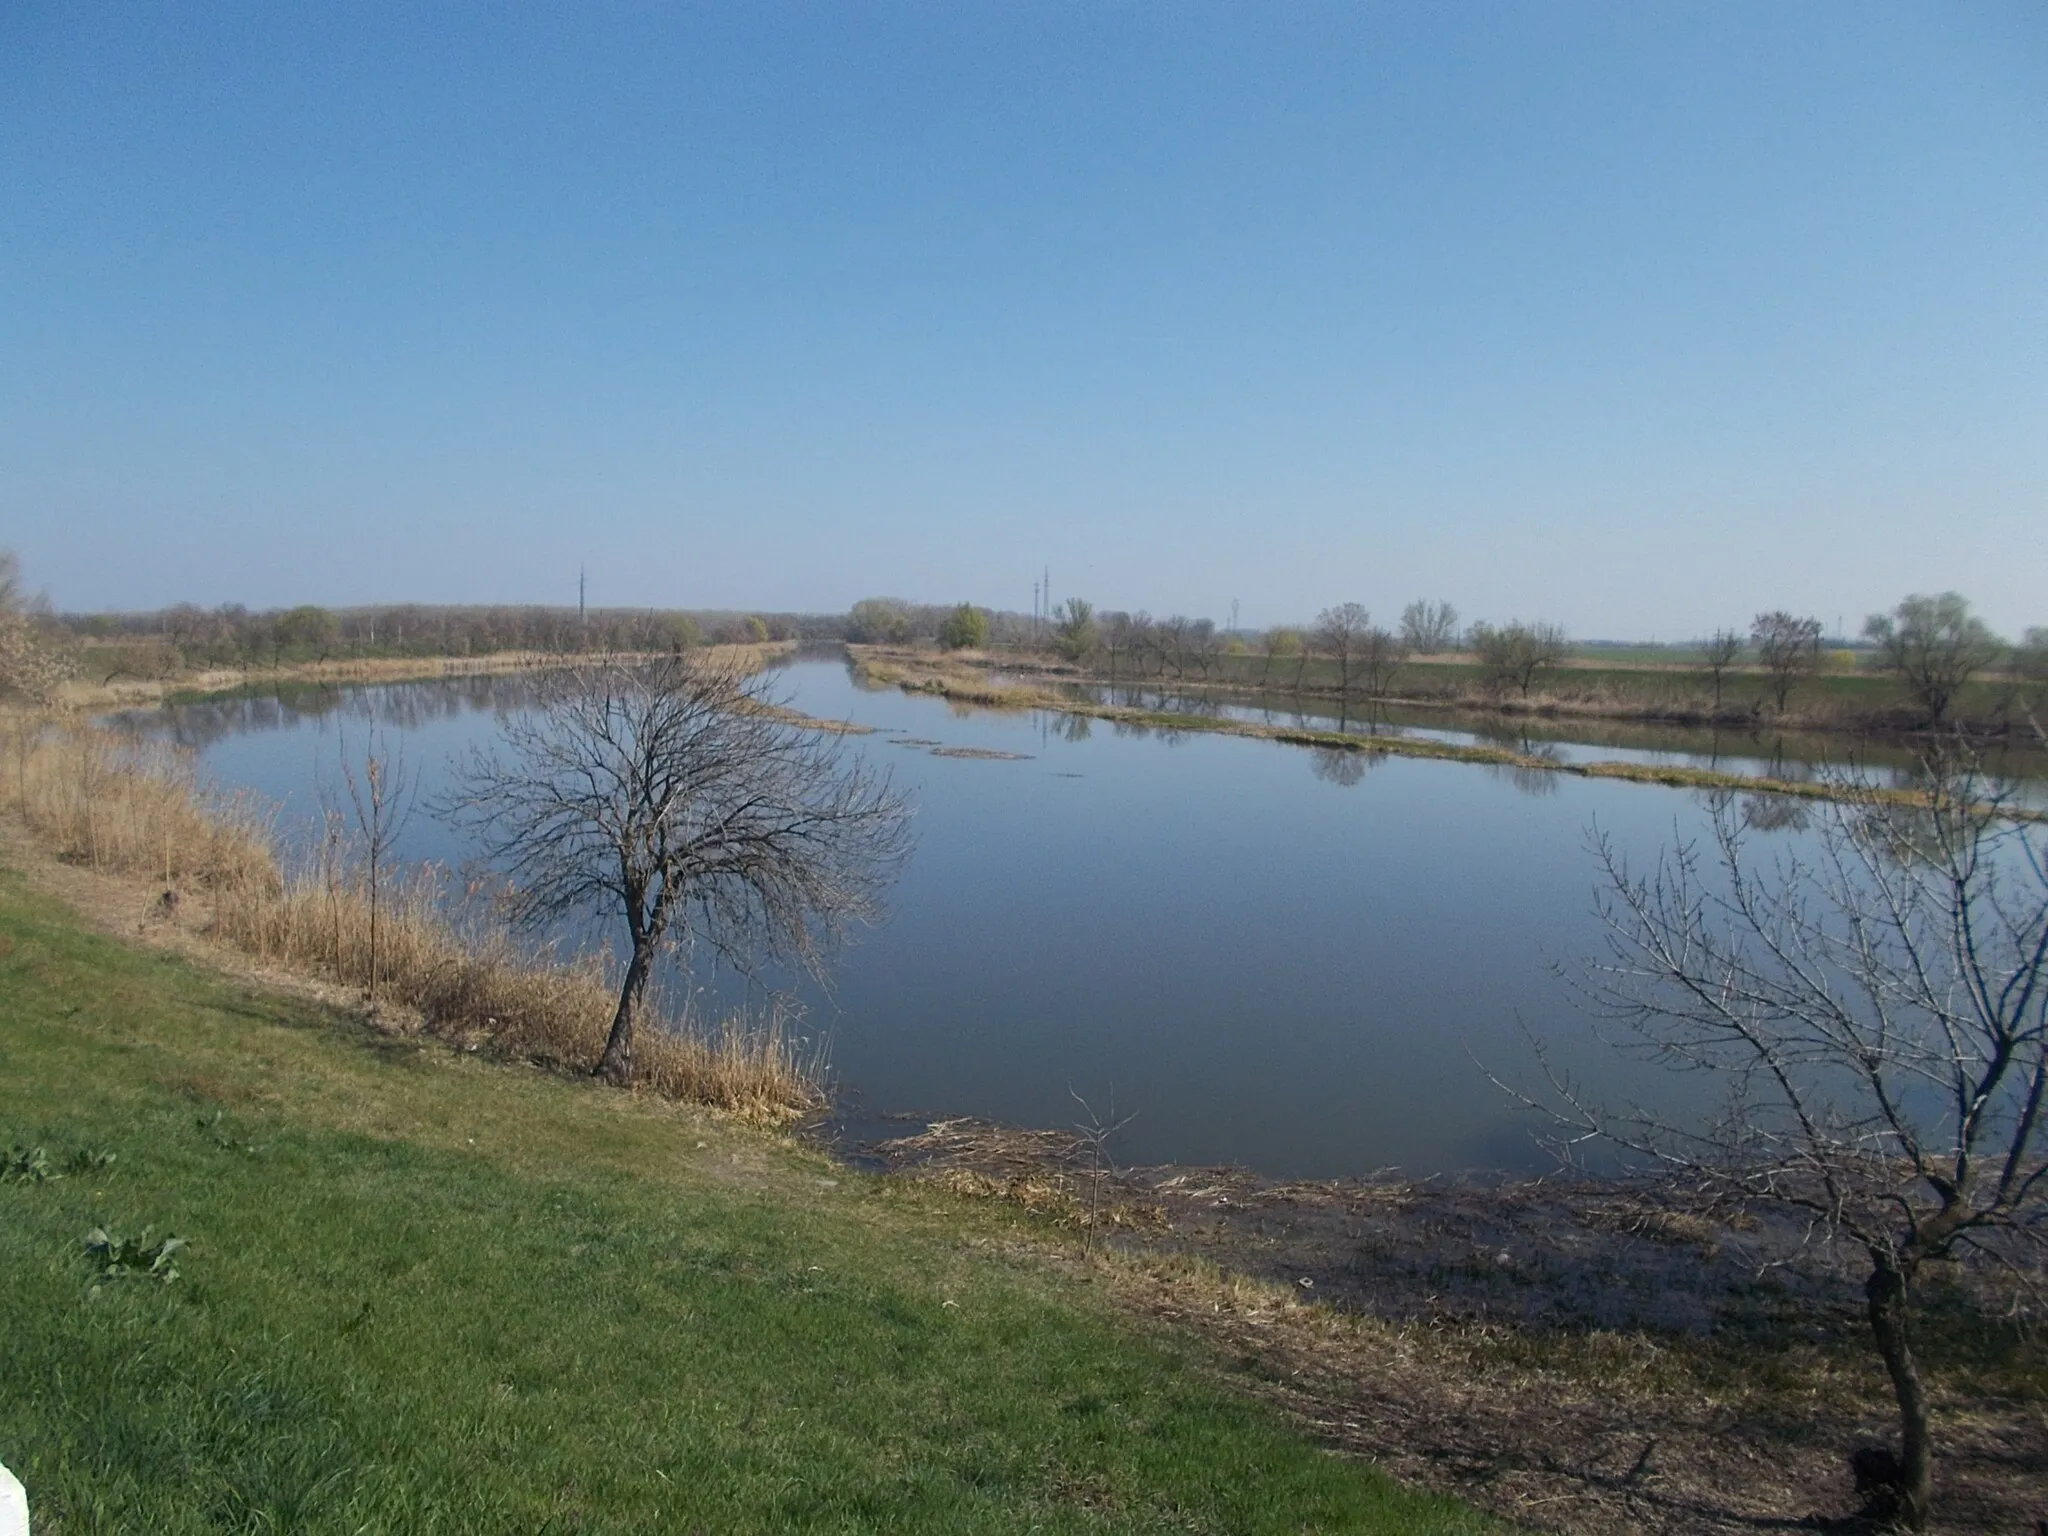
(91, 689)
(1577, 1356)
(448, 969)
(948, 678)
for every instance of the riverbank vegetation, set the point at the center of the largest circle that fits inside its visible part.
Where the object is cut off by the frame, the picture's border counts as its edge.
(1927, 663)
(419, 1291)
(442, 967)
(1878, 1013)
(970, 680)
(1584, 1358)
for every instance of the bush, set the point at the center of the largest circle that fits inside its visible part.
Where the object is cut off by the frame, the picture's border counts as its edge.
(964, 629)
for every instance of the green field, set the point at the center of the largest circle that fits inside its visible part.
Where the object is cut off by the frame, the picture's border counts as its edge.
(1602, 681)
(424, 1293)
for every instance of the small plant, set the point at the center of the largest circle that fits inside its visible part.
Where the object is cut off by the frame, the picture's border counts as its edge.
(86, 1161)
(26, 1165)
(122, 1256)
(1095, 1136)
(32, 1165)
(210, 1127)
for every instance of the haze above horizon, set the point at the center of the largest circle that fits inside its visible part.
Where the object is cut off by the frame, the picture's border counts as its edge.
(1640, 320)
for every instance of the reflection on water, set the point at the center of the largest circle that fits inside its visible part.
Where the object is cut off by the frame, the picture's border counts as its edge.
(1756, 751)
(1294, 970)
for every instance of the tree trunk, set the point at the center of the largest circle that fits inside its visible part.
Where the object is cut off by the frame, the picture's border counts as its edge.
(1886, 1294)
(616, 1065)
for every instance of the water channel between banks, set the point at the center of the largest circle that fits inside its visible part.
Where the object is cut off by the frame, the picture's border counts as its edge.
(1292, 960)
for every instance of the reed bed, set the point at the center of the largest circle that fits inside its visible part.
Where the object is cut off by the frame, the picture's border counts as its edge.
(137, 810)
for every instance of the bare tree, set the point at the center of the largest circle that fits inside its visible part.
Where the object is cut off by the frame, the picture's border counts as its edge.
(1275, 643)
(1380, 656)
(1338, 634)
(1205, 645)
(1878, 1011)
(1719, 656)
(1933, 645)
(1788, 648)
(683, 797)
(1517, 653)
(1119, 631)
(2028, 665)
(382, 797)
(1172, 638)
(1428, 629)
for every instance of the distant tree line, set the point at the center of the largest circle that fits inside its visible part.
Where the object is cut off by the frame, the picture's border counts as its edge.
(233, 635)
(1932, 646)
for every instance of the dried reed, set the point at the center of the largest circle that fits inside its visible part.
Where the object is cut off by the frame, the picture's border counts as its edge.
(137, 810)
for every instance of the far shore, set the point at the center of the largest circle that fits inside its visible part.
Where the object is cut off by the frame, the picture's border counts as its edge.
(969, 682)
(126, 692)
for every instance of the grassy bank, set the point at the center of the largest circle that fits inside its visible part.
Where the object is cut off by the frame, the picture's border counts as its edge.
(422, 1292)
(1840, 697)
(98, 689)
(134, 811)
(921, 672)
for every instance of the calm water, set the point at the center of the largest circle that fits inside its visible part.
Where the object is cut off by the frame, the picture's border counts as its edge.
(1276, 957)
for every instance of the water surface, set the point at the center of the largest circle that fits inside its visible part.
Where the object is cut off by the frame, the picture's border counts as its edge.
(1294, 960)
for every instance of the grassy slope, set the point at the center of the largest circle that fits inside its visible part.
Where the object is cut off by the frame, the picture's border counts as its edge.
(424, 1294)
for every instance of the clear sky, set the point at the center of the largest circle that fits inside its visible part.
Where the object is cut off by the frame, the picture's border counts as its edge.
(1635, 317)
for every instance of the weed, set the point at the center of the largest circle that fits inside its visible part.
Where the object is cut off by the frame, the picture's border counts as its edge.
(33, 1165)
(210, 1128)
(25, 1165)
(118, 1257)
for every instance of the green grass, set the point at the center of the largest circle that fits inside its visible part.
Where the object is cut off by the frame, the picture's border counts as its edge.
(424, 1293)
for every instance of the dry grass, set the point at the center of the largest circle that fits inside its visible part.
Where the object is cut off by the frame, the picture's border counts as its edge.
(1584, 1357)
(91, 692)
(135, 810)
(914, 672)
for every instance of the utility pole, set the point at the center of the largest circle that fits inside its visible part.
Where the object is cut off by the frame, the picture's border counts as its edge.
(582, 613)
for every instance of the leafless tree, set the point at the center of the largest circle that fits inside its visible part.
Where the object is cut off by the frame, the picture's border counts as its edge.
(1380, 656)
(1788, 648)
(1205, 645)
(1719, 656)
(1119, 635)
(2028, 666)
(1518, 653)
(1878, 1011)
(1933, 645)
(1172, 638)
(382, 797)
(1338, 634)
(1275, 643)
(1428, 629)
(683, 797)
(1118, 630)
(1145, 641)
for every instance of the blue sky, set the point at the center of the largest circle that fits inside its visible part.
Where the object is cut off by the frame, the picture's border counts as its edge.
(1637, 318)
